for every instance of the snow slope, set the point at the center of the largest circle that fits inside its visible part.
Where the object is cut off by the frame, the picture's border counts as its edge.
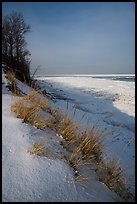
(27, 178)
(108, 102)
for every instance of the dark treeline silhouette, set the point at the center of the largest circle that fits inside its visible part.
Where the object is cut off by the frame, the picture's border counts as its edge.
(14, 52)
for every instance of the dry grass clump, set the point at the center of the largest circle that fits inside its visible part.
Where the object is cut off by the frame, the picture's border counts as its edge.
(113, 176)
(29, 114)
(76, 160)
(36, 99)
(12, 82)
(11, 76)
(31, 96)
(89, 147)
(68, 129)
(55, 120)
(24, 112)
(38, 149)
(28, 108)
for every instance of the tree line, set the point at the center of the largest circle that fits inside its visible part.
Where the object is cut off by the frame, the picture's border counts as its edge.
(14, 52)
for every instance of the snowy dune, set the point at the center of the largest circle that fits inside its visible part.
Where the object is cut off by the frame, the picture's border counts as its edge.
(27, 178)
(108, 102)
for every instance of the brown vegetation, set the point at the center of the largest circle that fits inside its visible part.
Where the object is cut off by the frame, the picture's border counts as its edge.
(38, 149)
(87, 146)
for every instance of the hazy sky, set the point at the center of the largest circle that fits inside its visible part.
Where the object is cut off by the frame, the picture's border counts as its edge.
(80, 37)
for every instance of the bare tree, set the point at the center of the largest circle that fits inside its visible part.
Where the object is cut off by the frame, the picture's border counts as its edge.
(14, 52)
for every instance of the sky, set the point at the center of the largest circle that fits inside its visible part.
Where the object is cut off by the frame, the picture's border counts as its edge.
(79, 37)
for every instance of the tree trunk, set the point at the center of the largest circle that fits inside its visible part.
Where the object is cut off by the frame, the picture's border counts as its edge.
(11, 56)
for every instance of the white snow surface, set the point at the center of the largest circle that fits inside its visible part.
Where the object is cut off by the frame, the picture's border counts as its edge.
(105, 87)
(109, 102)
(27, 178)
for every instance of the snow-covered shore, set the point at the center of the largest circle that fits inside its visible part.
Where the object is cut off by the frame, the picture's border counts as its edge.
(39, 179)
(108, 102)
(123, 91)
